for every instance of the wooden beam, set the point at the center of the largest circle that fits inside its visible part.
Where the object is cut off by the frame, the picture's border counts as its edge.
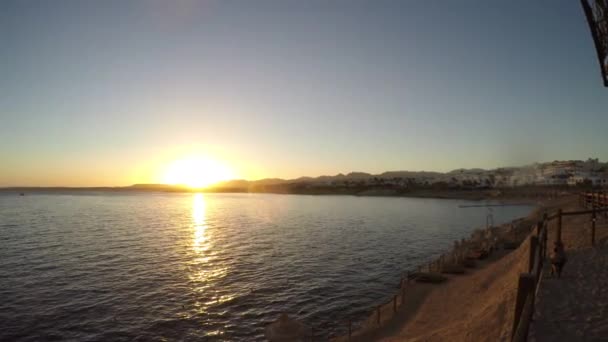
(559, 225)
(597, 40)
(525, 288)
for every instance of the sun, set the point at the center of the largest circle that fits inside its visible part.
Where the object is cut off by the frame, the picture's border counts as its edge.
(196, 172)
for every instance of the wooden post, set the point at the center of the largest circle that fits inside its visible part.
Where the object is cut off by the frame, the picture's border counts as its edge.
(605, 204)
(525, 288)
(584, 199)
(402, 296)
(545, 237)
(543, 256)
(350, 329)
(378, 314)
(593, 227)
(395, 303)
(312, 333)
(595, 199)
(545, 226)
(533, 247)
(539, 230)
(559, 225)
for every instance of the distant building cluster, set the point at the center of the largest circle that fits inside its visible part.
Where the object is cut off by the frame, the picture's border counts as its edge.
(572, 172)
(557, 173)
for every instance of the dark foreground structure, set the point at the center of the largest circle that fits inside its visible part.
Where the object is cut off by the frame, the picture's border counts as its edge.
(596, 12)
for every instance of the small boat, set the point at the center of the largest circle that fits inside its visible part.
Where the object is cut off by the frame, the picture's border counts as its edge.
(21, 194)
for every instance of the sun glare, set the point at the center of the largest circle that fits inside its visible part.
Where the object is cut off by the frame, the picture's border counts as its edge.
(196, 172)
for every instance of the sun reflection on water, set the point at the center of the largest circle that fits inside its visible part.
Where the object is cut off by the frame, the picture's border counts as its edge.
(206, 271)
(200, 244)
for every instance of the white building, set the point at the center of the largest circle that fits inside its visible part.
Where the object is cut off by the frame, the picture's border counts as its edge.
(596, 179)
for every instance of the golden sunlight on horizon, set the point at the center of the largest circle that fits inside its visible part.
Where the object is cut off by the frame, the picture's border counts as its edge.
(196, 172)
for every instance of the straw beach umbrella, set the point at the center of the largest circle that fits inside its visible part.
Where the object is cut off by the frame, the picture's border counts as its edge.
(286, 329)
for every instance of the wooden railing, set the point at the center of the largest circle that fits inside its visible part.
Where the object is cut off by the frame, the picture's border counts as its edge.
(596, 199)
(529, 282)
(384, 313)
(595, 203)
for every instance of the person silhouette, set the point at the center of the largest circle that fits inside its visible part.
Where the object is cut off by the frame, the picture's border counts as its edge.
(558, 259)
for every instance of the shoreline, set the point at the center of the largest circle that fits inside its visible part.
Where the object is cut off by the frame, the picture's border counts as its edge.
(413, 295)
(521, 195)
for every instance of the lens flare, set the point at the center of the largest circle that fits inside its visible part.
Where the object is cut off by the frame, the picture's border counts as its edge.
(196, 172)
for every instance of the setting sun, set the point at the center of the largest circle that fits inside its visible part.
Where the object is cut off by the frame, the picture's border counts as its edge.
(196, 172)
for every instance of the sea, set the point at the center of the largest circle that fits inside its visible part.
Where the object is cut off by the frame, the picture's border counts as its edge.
(129, 266)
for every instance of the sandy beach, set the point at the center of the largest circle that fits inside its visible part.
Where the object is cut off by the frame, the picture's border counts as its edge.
(478, 305)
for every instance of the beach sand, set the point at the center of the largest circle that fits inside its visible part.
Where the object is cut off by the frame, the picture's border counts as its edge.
(476, 306)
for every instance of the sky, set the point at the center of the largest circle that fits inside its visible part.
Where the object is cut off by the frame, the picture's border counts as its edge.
(110, 92)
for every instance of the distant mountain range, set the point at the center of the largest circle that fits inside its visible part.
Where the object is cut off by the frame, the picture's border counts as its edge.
(569, 172)
(352, 176)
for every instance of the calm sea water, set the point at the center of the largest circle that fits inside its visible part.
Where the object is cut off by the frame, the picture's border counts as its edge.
(154, 267)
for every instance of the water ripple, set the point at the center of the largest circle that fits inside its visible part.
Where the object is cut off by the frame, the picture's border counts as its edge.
(158, 267)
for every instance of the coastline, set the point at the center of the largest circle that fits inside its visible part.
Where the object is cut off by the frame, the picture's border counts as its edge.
(520, 195)
(487, 291)
(425, 291)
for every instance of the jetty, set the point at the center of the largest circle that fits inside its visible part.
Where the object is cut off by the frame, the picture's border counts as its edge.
(492, 205)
